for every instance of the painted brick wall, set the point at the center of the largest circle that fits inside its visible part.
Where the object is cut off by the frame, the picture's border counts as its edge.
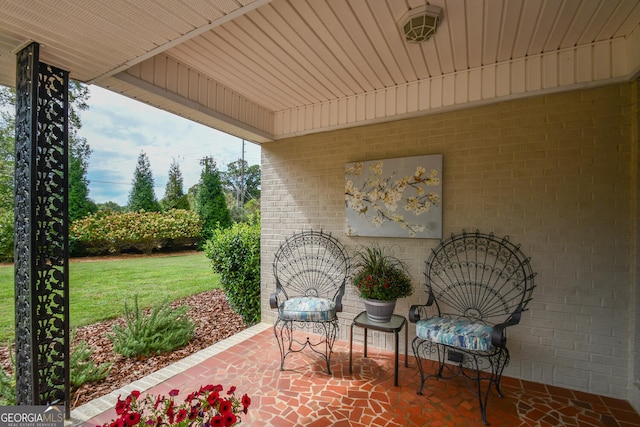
(554, 172)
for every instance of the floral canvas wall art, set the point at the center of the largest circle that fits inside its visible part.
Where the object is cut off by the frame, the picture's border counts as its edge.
(395, 197)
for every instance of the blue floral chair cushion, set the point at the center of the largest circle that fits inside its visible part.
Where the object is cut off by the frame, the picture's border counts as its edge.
(308, 309)
(460, 333)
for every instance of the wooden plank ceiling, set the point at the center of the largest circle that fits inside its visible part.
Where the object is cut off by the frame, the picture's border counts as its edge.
(268, 69)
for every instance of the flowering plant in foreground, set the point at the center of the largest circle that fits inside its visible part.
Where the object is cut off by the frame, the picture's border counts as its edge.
(205, 407)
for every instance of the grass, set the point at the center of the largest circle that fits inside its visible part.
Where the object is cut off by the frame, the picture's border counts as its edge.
(99, 289)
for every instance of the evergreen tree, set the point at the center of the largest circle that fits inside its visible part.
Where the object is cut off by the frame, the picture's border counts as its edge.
(7, 147)
(79, 151)
(210, 202)
(79, 203)
(142, 195)
(7, 161)
(174, 197)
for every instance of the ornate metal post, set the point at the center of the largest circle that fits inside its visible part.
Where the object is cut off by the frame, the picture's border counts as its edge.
(41, 232)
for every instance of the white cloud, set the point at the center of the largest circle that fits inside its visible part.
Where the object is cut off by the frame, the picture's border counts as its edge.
(118, 129)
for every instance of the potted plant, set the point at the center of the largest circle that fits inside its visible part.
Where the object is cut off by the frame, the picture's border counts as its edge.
(381, 279)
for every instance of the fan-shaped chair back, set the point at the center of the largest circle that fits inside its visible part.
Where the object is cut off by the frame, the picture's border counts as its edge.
(480, 277)
(311, 264)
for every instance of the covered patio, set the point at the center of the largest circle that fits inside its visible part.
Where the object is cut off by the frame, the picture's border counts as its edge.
(534, 106)
(304, 395)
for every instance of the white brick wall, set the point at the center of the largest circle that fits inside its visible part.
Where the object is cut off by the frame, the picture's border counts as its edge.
(554, 172)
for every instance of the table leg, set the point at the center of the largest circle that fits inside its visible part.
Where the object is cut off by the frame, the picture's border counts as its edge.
(397, 350)
(365, 342)
(351, 351)
(406, 346)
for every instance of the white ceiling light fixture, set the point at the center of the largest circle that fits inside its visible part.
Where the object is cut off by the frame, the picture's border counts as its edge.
(420, 23)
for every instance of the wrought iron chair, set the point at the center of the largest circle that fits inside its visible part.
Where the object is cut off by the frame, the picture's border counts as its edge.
(311, 270)
(478, 285)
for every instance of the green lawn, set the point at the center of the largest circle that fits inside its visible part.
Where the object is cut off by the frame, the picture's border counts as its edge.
(99, 289)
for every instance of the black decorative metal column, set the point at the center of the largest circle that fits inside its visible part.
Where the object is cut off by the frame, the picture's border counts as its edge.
(41, 232)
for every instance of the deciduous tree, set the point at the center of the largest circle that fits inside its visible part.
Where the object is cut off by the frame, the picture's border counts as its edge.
(242, 182)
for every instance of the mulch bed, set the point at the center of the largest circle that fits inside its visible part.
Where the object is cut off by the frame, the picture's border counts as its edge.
(214, 320)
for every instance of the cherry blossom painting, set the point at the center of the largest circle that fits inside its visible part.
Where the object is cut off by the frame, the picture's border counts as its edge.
(395, 197)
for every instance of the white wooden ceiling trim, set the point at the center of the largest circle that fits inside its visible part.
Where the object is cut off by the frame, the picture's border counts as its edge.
(200, 52)
(285, 89)
(164, 75)
(567, 69)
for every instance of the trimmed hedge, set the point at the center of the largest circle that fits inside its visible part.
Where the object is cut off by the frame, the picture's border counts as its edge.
(114, 232)
(235, 255)
(6, 235)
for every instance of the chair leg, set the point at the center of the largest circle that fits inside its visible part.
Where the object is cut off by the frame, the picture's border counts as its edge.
(416, 344)
(483, 396)
(497, 362)
(420, 348)
(501, 361)
(283, 331)
(471, 368)
(330, 332)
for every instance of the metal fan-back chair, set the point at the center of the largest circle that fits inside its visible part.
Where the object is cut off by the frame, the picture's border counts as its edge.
(311, 270)
(478, 285)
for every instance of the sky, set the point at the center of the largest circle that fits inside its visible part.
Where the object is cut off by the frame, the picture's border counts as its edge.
(118, 129)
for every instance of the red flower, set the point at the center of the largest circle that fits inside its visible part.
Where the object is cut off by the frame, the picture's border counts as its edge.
(225, 407)
(117, 423)
(174, 392)
(159, 399)
(132, 418)
(212, 399)
(121, 406)
(193, 413)
(170, 412)
(135, 394)
(246, 401)
(217, 421)
(182, 415)
(230, 419)
(232, 390)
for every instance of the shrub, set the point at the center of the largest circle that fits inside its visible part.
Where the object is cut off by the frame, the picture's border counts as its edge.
(163, 330)
(115, 232)
(83, 369)
(6, 235)
(235, 255)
